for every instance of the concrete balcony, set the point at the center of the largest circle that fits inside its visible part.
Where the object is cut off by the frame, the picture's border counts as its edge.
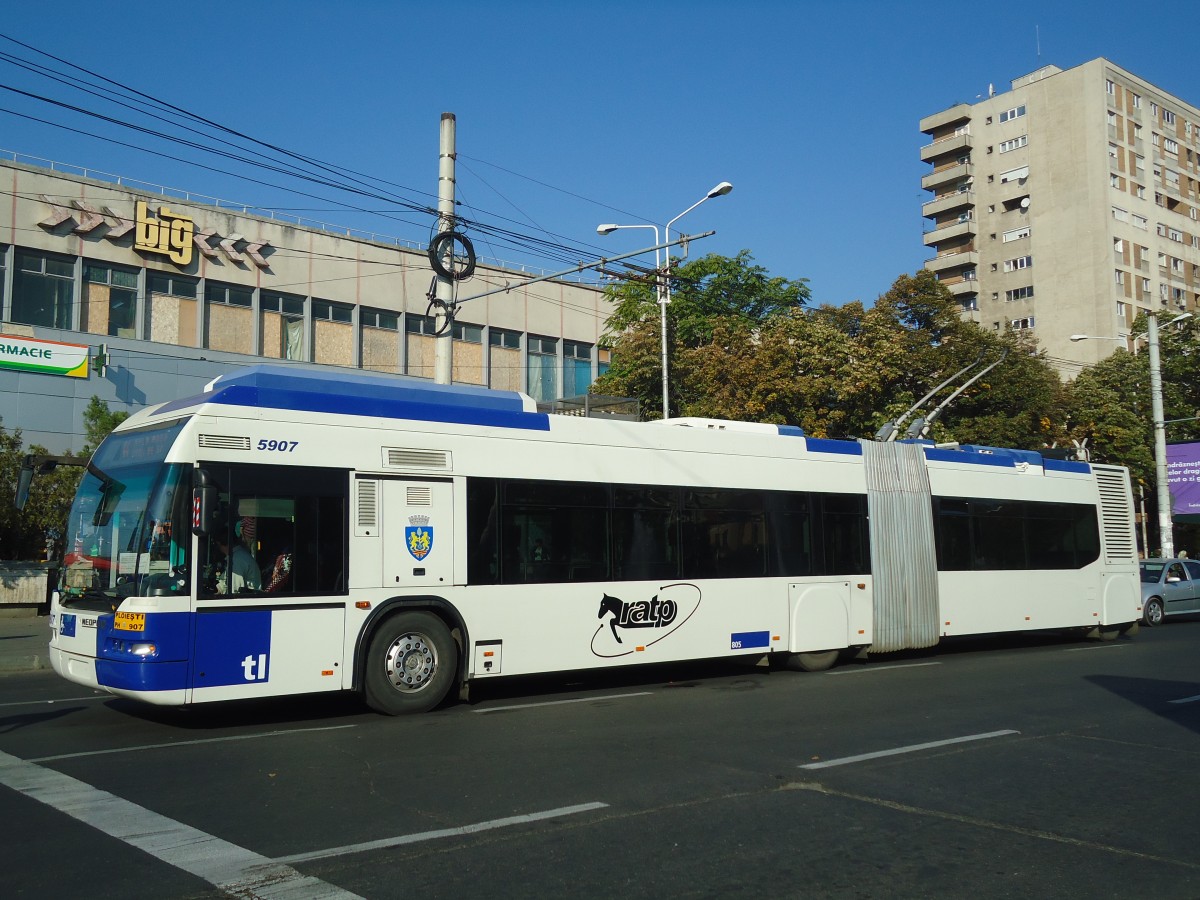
(948, 175)
(964, 287)
(956, 200)
(950, 230)
(956, 143)
(953, 259)
(960, 112)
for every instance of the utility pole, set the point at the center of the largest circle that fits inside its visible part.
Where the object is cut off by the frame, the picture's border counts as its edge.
(1166, 531)
(443, 342)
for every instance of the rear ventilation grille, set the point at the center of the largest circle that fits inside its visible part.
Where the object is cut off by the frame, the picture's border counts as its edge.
(224, 442)
(1116, 514)
(427, 460)
(366, 521)
(420, 496)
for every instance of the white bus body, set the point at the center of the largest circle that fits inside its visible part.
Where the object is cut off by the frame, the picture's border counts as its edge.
(411, 538)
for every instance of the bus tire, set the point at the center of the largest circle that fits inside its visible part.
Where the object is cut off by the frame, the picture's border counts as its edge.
(410, 664)
(811, 661)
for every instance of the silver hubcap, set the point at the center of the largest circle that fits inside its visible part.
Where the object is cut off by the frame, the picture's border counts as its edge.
(1154, 614)
(411, 661)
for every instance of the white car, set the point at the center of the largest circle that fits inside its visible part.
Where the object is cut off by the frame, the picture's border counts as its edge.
(1169, 587)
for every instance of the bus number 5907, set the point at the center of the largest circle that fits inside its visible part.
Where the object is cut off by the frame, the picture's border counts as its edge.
(281, 446)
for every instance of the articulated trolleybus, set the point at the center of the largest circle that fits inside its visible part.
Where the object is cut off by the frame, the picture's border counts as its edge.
(289, 531)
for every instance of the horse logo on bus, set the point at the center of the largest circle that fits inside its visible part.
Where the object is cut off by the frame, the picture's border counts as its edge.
(665, 613)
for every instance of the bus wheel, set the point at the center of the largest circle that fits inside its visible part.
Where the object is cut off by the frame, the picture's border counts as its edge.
(410, 664)
(812, 661)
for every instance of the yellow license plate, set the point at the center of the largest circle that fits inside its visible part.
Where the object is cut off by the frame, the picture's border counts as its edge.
(130, 621)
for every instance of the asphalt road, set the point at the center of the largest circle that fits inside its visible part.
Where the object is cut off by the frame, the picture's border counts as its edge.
(1031, 767)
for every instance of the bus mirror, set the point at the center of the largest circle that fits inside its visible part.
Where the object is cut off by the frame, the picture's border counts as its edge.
(204, 503)
(24, 480)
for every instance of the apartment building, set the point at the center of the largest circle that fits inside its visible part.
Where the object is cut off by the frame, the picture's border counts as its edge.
(1065, 206)
(179, 289)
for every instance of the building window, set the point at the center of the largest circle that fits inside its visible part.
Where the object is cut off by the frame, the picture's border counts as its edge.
(282, 325)
(1119, 277)
(1021, 293)
(327, 310)
(333, 332)
(1016, 234)
(1112, 118)
(1021, 324)
(1015, 113)
(1114, 181)
(228, 318)
(1014, 144)
(1109, 87)
(109, 301)
(172, 308)
(1021, 262)
(468, 353)
(1014, 174)
(577, 368)
(227, 294)
(1168, 117)
(43, 290)
(541, 368)
(1136, 99)
(1171, 146)
(1112, 151)
(504, 359)
(471, 334)
(379, 318)
(1121, 215)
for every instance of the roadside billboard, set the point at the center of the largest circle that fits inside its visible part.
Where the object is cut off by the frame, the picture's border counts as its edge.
(1183, 477)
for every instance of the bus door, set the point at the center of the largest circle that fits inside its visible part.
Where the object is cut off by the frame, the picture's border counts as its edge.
(418, 533)
(271, 600)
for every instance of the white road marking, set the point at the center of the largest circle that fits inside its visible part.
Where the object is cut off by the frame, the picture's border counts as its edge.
(230, 868)
(846, 760)
(1097, 647)
(493, 709)
(60, 700)
(859, 669)
(1186, 699)
(441, 833)
(169, 744)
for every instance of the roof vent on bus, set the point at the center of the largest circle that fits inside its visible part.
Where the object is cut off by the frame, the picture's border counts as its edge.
(224, 442)
(402, 458)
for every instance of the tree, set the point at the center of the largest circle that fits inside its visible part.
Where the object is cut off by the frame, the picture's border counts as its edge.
(24, 534)
(844, 371)
(705, 291)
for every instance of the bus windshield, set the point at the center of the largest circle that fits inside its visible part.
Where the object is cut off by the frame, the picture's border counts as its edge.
(128, 530)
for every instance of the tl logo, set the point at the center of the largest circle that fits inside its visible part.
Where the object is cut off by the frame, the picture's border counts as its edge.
(418, 536)
(255, 669)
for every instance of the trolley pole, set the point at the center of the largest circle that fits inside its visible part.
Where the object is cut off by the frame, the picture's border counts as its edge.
(443, 343)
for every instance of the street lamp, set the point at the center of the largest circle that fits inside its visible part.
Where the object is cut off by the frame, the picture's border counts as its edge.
(664, 285)
(1166, 527)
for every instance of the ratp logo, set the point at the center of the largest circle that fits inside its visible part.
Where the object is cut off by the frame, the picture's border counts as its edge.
(663, 614)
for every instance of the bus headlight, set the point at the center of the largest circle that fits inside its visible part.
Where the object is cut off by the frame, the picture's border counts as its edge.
(143, 649)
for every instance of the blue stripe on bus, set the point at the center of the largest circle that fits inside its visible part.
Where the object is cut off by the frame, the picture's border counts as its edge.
(824, 445)
(1066, 465)
(975, 459)
(367, 395)
(791, 431)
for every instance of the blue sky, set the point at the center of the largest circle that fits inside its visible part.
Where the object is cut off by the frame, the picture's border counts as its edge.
(573, 114)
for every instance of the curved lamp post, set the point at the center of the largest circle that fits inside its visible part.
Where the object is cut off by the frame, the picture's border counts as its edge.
(663, 284)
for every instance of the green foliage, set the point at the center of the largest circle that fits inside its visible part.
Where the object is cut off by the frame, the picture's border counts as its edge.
(837, 371)
(24, 534)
